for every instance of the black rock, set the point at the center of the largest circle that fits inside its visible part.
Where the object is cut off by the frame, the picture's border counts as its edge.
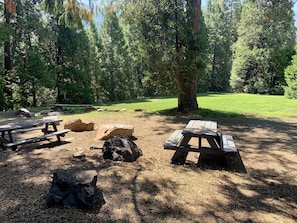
(121, 148)
(74, 187)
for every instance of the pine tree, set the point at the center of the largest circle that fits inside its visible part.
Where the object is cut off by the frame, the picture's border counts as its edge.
(94, 61)
(71, 58)
(172, 41)
(291, 78)
(218, 19)
(264, 47)
(116, 79)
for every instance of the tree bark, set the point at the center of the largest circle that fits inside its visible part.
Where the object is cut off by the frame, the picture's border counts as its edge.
(187, 83)
(7, 61)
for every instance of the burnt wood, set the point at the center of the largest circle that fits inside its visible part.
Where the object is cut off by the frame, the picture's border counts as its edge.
(74, 188)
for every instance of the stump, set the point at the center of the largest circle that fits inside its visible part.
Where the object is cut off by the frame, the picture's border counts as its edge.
(120, 148)
(74, 188)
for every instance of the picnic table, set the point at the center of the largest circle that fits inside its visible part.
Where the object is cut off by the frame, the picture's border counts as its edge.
(217, 143)
(59, 107)
(48, 126)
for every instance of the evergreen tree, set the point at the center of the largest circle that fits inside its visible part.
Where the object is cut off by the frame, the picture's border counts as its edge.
(94, 61)
(291, 78)
(9, 17)
(2, 39)
(72, 68)
(219, 25)
(30, 61)
(116, 79)
(172, 40)
(71, 57)
(136, 66)
(24, 30)
(264, 47)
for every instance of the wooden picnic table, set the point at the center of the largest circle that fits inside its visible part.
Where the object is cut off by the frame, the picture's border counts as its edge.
(48, 126)
(59, 107)
(218, 143)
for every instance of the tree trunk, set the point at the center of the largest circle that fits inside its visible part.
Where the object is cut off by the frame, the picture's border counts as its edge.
(187, 83)
(187, 100)
(7, 61)
(34, 103)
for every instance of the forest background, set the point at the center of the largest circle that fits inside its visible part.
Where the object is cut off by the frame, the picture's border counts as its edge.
(55, 51)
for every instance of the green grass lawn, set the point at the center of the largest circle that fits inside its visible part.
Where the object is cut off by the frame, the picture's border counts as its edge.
(221, 104)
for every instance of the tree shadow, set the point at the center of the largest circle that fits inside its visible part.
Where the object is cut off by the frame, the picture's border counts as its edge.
(132, 196)
(231, 162)
(262, 194)
(131, 188)
(28, 180)
(274, 192)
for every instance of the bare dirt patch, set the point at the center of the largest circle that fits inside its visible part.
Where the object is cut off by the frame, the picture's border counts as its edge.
(259, 187)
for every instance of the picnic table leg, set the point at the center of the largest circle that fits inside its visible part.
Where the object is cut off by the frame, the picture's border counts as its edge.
(46, 130)
(11, 139)
(212, 143)
(3, 141)
(56, 129)
(180, 155)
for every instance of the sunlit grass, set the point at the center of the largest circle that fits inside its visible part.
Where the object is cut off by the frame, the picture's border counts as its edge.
(235, 104)
(148, 104)
(250, 104)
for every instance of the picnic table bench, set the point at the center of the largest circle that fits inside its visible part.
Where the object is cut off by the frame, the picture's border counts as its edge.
(218, 143)
(48, 126)
(59, 107)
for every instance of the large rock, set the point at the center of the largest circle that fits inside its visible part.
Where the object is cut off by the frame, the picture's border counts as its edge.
(25, 113)
(121, 148)
(74, 187)
(77, 125)
(107, 131)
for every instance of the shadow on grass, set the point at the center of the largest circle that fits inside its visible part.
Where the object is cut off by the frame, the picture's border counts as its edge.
(202, 113)
(135, 101)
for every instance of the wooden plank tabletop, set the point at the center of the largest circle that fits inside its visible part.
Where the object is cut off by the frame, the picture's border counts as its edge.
(28, 123)
(200, 128)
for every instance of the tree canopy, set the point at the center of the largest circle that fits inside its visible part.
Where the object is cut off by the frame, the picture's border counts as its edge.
(266, 39)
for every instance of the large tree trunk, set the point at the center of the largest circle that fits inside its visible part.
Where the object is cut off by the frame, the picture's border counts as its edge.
(9, 8)
(187, 100)
(187, 83)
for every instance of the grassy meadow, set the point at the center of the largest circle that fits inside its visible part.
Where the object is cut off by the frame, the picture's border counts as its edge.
(223, 105)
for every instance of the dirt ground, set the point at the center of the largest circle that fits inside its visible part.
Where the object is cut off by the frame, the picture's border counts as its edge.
(259, 185)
